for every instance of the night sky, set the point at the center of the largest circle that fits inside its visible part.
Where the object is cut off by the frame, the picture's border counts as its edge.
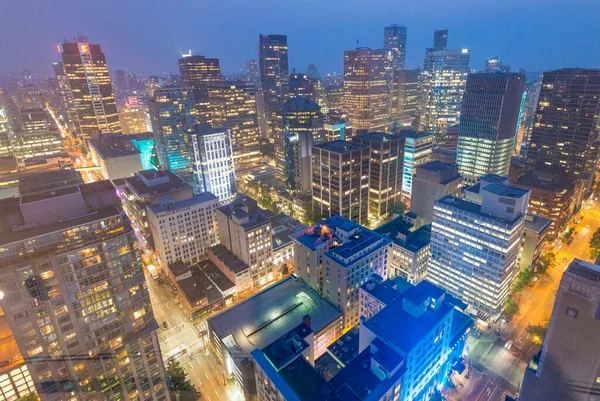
(147, 36)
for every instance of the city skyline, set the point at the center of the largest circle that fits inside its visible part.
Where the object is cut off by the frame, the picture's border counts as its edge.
(525, 36)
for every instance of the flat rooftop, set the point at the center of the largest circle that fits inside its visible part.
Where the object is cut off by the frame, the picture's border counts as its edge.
(537, 223)
(341, 146)
(436, 165)
(200, 198)
(508, 191)
(585, 269)
(228, 258)
(287, 347)
(109, 148)
(398, 231)
(260, 320)
(377, 137)
(175, 183)
(471, 207)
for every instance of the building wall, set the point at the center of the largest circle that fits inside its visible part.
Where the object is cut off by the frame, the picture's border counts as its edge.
(427, 192)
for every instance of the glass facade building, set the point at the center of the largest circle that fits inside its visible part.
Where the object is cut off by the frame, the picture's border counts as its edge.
(417, 150)
(394, 41)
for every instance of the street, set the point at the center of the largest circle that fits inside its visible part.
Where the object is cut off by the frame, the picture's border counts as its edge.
(198, 361)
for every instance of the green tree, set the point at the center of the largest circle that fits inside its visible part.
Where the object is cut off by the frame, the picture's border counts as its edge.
(182, 388)
(511, 308)
(545, 262)
(397, 210)
(595, 244)
(29, 397)
(522, 279)
(537, 333)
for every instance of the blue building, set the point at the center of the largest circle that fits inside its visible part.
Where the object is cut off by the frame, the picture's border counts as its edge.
(145, 144)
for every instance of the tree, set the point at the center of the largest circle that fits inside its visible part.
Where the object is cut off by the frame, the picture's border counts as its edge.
(29, 397)
(522, 279)
(182, 388)
(510, 308)
(595, 244)
(397, 210)
(537, 333)
(545, 262)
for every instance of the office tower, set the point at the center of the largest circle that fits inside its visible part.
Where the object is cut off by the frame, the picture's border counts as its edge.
(173, 118)
(443, 84)
(565, 122)
(233, 105)
(274, 71)
(336, 129)
(213, 162)
(91, 90)
(535, 236)
(335, 257)
(551, 196)
(134, 120)
(405, 97)
(298, 161)
(474, 256)
(183, 230)
(451, 139)
(67, 112)
(365, 89)
(197, 71)
(37, 136)
(494, 64)
(340, 180)
(279, 309)
(431, 181)
(121, 84)
(299, 85)
(532, 89)
(95, 332)
(316, 88)
(394, 41)
(488, 122)
(417, 150)
(440, 40)
(252, 74)
(566, 368)
(6, 134)
(385, 181)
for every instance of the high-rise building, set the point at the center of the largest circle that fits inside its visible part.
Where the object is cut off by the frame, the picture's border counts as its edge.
(488, 122)
(475, 243)
(394, 41)
(340, 180)
(134, 120)
(443, 84)
(566, 122)
(366, 89)
(214, 171)
(91, 90)
(336, 129)
(37, 136)
(335, 257)
(298, 161)
(67, 111)
(252, 74)
(6, 134)
(173, 118)
(299, 85)
(95, 332)
(274, 71)
(405, 97)
(440, 40)
(197, 71)
(494, 64)
(566, 368)
(417, 150)
(183, 230)
(385, 181)
(431, 181)
(233, 105)
(299, 114)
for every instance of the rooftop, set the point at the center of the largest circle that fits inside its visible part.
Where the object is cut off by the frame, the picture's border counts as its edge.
(414, 134)
(537, 223)
(112, 146)
(228, 258)
(203, 197)
(301, 104)
(246, 207)
(436, 165)
(282, 226)
(260, 320)
(471, 207)
(508, 191)
(400, 232)
(288, 346)
(341, 146)
(377, 137)
(584, 269)
(167, 182)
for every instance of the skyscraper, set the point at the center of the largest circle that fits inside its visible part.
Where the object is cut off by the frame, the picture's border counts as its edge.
(233, 106)
(340, 180)
(394, 41)
(385, 173)
(440, 40)
(475, 243)
(76, 300)
(274, 71)
(366, 89)
(91, 90)
(67, 111)
(405, 97)
(213, 162)
(252, 74)
(298, 161)
(494, 64)
(566, 368)
(6, 134)
(197, 71)
(443, 84)
(490, 111)
(417, 150)
(173, 118)
(566, 122)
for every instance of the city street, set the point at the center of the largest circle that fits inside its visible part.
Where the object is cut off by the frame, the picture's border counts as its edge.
(198, 361)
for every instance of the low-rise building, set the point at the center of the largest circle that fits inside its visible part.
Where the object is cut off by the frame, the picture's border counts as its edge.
(377, 293)
(535, 235)
(335, 257)
(409, 256)
(232, 267)
(259, 321)
(282, 227)
(116, 156)
(183, 230)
